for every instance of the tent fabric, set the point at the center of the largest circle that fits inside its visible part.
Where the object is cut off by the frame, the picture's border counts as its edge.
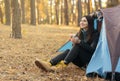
(97, 63)
(106, 57)
(112, 20)
(67, 45)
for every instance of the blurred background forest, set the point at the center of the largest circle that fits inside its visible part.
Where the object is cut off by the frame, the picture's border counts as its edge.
(59, 12)
(43, 26)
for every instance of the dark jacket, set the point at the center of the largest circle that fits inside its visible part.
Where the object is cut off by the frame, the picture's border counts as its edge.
(91, 44)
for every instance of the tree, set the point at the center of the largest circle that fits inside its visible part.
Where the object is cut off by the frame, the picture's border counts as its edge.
(66, 12)
(96, 5)
(1, 15)
(112, 3)
(50, 11)
(38, 11)
(100, 4)
(33, 12)
(85, 7)
(16, 19)
(62, 13)
(23, 11)
(89, 6)
(57, 11)
(73, 11)
(79, 12)
(7, 12)
(115, 2)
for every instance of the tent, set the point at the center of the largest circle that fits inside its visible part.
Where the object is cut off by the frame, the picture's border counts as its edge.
(106, 59)
(67, 45)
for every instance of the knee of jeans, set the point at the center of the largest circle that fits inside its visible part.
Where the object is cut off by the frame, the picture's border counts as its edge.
(52, 62)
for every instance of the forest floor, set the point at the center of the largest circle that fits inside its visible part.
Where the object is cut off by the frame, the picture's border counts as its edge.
(17, 56)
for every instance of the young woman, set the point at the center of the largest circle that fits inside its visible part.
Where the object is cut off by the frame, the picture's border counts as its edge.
(84, 45)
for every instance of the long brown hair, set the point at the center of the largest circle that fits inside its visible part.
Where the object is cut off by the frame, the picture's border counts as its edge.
(90, 30)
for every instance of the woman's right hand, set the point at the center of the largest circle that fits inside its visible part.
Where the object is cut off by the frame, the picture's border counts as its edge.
(75, 40)
(71, 36)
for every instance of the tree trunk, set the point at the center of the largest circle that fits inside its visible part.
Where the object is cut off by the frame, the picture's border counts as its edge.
(96, 6)
(23, 11)
(100, 4)
(57, 11)
(16, 19)
(51, 13)
(112, 3)
(33, 12)
(38, 12)
(38, 15)
(115, 2)
(85, 8)
(73, 12)
(62, 18)
(66, 12)
(1, 16)
(88, 7)
(7, 12)
(79, 11)
(48, 18)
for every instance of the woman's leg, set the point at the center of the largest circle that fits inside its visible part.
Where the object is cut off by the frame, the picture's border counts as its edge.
(78, 55)
(59, 57)
(47, 66)
(77, 61)
(73, 54)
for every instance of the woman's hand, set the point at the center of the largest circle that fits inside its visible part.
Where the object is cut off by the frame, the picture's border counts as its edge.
(75, 40)
(72, 35)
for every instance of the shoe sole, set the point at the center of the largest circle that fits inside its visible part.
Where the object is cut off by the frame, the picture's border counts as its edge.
(39, 65)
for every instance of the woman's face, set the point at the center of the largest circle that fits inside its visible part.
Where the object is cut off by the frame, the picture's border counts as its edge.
(84, 23)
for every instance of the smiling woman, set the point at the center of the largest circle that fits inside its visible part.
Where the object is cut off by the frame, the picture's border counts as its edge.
(83, 23)
(84, 44)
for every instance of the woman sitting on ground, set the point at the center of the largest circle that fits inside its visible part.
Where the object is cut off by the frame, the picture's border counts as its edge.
(84, 45)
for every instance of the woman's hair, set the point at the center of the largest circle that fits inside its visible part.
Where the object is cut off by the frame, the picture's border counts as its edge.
(90, 21)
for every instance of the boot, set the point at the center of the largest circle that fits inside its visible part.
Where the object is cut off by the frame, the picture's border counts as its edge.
(45, 66)
(61, 65)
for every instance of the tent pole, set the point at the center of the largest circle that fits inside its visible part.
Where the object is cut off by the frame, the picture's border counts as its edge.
(113, 76)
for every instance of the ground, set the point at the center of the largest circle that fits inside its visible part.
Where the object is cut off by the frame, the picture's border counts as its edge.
(17, 56)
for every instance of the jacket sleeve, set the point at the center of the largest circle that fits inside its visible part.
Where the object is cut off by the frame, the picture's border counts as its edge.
(92, 46)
